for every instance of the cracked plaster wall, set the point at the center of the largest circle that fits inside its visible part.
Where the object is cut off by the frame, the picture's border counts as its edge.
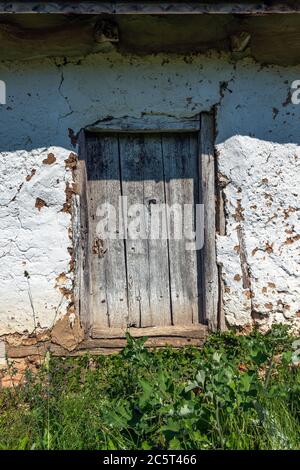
(258, 163)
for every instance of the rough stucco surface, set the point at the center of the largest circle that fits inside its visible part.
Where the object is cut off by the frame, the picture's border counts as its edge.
(34, 238)
(257, 143)
(262, 200)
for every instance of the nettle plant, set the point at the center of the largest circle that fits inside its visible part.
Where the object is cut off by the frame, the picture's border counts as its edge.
(237, 392)
(226, 400)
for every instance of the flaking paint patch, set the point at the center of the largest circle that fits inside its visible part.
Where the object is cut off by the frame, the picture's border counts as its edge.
(33, 239)
(67, 332)
(40, 203)
(255, 168)
(50, 159)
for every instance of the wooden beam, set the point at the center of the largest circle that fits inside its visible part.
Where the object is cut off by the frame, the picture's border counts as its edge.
(82, 268)
(207, 182)
(151, 7)
(150, 123)
(191, 331)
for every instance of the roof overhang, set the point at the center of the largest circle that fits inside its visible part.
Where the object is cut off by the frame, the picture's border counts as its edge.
(268, 31)
(162, 7)
(243, 7)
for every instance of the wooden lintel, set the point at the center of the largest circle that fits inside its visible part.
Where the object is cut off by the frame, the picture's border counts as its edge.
(149, 123)
(150, 7)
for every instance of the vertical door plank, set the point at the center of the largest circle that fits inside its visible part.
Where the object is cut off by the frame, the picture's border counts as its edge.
(108, 268)
(211, 288)
(147, 259)
(81, 251)
(180, 156)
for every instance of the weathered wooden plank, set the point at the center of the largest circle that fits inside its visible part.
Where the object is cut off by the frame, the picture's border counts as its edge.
(190, 331)
(180, 154)
(211, 289)
(159, 341)
(40, 349)
(147, 258)
(109, 301)
(150, 123)
(82, 258)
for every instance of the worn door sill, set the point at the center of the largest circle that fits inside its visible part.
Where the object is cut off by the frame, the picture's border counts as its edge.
(157, 336)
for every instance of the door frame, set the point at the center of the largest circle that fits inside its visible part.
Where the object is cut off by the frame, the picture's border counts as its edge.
(203, 125)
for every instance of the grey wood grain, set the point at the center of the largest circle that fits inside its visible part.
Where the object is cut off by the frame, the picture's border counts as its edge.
(82, 267)
(147, 258)
(150, 123)
(180, 155)
(211, 287)
(109, 302)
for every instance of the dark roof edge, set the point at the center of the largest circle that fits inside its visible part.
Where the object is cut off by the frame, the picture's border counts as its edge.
(152, 7)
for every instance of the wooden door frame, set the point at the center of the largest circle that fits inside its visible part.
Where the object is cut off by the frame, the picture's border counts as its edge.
(203, 124)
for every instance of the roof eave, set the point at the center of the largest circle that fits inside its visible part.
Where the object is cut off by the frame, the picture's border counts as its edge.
(151, 7)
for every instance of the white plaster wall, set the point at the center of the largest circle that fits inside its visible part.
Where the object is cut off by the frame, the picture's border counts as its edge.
(257, 139)
(262, 198)
(33, 239)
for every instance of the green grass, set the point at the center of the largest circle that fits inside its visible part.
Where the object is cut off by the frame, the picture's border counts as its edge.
(236, 393)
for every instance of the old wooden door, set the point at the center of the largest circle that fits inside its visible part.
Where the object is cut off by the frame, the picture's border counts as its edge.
(137, 277)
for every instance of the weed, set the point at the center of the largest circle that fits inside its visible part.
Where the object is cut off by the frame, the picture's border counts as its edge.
(238, 392)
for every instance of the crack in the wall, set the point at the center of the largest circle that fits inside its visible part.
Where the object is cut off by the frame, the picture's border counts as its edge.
(246, 274)
(66, 99)
(14, 197)
(243, 258)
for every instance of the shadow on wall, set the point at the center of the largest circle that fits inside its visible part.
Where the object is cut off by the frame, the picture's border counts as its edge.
(48, 102)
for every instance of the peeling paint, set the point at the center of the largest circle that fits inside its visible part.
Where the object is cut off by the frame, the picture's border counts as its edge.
(40, 203)
(68, 332)
(258, 176)
(50, 159)
(34, 238)
(270, 266)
